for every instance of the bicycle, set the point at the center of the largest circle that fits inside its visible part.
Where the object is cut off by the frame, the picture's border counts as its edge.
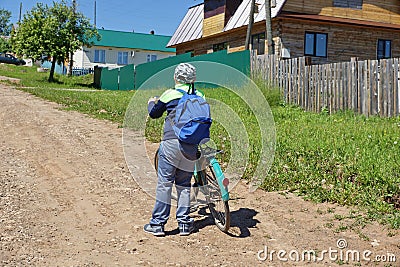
(211, 182)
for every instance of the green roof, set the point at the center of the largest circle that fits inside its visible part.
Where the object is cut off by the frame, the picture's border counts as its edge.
(134, 40)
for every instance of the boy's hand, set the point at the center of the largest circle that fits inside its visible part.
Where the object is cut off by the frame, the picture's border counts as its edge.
(152, 99)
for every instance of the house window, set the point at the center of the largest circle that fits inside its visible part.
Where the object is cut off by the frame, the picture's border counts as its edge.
(100, 56)
(122, 58)
(151, 58)
(191, 53)
(258, 43)
(316, 44)
(220, 46)
(384, 49)
(355, 4)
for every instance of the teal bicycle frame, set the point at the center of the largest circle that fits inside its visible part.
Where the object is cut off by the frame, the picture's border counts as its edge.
(216, 168)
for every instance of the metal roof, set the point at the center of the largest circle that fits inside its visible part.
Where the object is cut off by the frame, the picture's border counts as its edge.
(241, 16)
(191, 27)
(133, 40)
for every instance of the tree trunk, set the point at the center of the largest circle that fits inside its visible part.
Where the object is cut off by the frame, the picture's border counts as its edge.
(53, 67)
(268, 25)
(71, 64)
(250, 26)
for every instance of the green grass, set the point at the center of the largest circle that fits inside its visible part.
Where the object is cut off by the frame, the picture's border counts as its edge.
(109, 105)
(341, 158)
(31, 78)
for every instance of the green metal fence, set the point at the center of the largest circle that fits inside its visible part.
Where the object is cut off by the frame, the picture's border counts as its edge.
(127, 78)
(109, 79)
(132, 77)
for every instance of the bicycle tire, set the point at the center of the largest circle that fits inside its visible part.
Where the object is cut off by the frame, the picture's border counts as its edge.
(219, 208)
(156, 160)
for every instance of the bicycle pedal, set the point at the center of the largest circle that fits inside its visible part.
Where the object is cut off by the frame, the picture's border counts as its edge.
(194, 208)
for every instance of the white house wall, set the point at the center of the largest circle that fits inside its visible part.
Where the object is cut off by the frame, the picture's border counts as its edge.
(80, 58)
(85, 58)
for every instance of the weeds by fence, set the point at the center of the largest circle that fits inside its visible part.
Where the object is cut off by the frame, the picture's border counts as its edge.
(368, 87)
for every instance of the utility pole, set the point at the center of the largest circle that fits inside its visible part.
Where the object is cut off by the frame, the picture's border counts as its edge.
(250, 25)
(268, 24)
(71, 60)
(20, 13)
(95, 13)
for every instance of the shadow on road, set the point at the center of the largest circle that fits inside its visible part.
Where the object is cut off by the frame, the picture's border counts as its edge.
(241, 221)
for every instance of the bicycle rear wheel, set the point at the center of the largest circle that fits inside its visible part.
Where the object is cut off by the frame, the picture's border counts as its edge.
(156, 160)
(219, 208)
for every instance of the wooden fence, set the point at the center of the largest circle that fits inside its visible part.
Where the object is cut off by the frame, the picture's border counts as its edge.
(368, 87)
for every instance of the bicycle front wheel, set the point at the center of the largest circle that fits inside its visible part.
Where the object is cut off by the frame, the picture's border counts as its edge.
(219, 208)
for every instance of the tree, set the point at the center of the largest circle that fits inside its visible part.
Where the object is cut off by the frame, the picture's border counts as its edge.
(52, 31)
(4, 45)
(5, 25)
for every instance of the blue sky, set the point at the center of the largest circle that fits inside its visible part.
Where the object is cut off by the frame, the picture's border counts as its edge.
(162, 16)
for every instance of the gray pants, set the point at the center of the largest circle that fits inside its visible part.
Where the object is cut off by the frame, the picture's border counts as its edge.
(175, 165)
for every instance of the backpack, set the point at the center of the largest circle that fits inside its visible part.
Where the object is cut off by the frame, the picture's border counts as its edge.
(192, 118)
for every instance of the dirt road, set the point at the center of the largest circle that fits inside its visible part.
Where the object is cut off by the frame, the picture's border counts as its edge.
(68, 199)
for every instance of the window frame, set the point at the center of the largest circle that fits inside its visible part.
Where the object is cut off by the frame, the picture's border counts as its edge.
(191, 53)
(352, 4)
(99, 56)
(315, 40)
(258, 35)
(121, 57)
(220, 46)
(151, 58)
(384, 41)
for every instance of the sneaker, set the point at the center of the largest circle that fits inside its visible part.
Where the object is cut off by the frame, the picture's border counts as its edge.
(154, 229)
(186, 229)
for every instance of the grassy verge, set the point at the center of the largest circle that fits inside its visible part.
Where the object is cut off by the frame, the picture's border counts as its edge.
(342, 158)
(110, 105)
(31, 78)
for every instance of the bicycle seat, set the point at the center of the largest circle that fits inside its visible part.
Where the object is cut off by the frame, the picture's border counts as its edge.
(207, 151)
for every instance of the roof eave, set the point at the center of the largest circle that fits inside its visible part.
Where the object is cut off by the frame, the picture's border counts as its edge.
(356, 22)
(141, 48)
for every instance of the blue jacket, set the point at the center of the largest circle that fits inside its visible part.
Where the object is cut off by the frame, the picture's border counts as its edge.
(168, 102)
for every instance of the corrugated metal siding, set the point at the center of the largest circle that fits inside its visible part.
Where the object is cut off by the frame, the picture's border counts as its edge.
(241, 16)
(191, 27)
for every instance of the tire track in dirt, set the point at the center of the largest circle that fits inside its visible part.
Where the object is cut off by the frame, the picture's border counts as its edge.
(68, 199)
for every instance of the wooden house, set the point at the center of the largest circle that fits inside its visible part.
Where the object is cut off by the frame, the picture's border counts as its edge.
(325, 30)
